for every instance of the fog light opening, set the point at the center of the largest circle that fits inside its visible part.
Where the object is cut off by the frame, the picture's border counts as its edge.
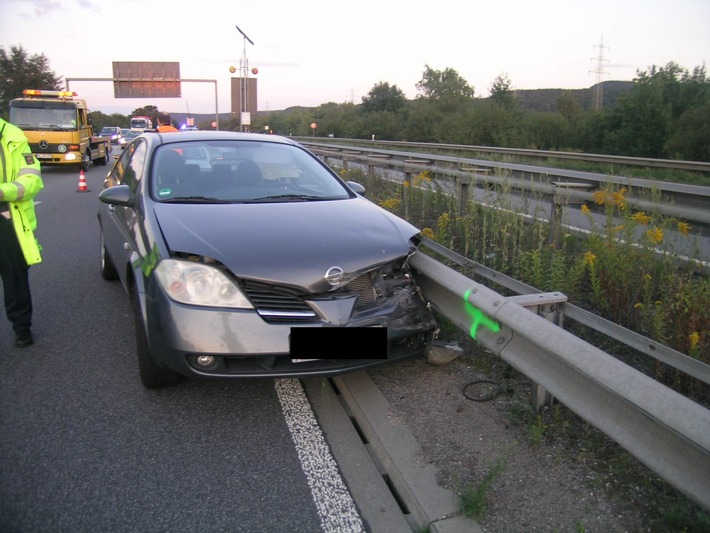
(205, 361)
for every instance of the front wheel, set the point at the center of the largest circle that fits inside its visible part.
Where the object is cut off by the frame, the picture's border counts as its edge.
(108, 271)
(86, 161)
(153, 375)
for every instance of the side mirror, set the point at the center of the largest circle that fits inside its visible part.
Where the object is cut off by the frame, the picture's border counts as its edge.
(117, 195)
(356, 187)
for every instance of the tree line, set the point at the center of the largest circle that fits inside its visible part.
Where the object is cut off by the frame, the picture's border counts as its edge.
(665, 113)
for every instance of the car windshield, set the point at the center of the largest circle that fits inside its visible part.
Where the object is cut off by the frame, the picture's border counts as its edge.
(232, 171)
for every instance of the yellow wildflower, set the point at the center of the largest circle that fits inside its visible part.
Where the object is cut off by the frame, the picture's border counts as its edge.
(405, 184)
(684, 228)
(641, 217)
(428, 233)
(694, 340)
(444, 220)
(589, 258)
(585, 209)
(425, 175)
(618, 197)
(599, 197)
(655, 235)
(391, 203)
(638, 306)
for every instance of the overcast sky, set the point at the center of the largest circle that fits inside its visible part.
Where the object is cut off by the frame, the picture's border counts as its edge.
(311, 52)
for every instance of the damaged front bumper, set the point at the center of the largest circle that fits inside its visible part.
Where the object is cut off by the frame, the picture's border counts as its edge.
(256, 343)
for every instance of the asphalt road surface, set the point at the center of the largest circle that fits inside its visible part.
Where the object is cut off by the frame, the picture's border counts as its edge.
(84, 447)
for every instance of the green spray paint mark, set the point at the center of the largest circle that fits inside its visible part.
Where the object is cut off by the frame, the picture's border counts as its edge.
(149, 261)
(479, 318)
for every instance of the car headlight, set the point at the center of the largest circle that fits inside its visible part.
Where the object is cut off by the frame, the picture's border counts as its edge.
(199, 284)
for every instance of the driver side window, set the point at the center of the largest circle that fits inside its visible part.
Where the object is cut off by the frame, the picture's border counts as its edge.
(128, 169)
(134, 169)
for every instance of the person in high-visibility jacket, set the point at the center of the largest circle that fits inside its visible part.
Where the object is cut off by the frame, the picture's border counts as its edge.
(165, 123)
(20, 181)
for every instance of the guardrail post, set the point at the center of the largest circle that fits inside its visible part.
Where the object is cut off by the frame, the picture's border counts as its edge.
(555, 237)
(547, 306)
(464, 183)
(463, 195)
(405, 193)
(371, 170)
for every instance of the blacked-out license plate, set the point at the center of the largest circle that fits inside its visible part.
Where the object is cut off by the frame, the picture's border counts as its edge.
(309, 344)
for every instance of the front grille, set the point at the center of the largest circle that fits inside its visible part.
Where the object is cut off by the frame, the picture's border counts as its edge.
(275, 303)
(51, 149)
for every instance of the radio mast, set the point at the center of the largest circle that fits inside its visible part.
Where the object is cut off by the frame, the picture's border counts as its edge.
(599, 88)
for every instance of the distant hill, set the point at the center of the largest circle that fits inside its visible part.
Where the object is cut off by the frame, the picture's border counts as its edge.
(528, 100)
(200, 118)
(546, 99)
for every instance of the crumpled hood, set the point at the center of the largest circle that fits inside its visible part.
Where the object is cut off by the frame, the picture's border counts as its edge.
(288, 243)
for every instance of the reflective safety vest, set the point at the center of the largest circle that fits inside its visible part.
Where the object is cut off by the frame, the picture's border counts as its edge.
(20, 181)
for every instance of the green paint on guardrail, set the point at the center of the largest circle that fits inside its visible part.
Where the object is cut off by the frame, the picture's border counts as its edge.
(479, 318)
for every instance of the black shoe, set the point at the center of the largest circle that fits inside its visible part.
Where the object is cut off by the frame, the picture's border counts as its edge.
(23, 339)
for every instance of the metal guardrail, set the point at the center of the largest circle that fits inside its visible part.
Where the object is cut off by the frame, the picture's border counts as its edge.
(556, 187)
(648, 347)
(699, 166)
(663, 429)
(682, 201)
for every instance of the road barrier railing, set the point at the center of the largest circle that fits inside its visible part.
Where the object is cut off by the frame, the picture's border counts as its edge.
(682, 201)
(666, 431)
(648, 347)
(622, 161)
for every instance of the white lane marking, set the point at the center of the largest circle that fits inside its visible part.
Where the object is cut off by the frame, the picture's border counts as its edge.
(335, 506)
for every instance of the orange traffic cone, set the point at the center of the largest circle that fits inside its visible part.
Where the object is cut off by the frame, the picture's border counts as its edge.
(82, 183)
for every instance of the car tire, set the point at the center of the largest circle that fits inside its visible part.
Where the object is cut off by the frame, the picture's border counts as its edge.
(108, 270)
(153, 375)
(86, 162)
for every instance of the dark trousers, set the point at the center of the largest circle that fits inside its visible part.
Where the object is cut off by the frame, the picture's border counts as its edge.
(15, 278)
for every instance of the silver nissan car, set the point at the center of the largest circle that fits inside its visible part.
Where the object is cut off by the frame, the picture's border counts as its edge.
(255, 261)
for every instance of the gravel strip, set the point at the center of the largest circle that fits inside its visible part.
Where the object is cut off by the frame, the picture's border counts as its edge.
(540, 478)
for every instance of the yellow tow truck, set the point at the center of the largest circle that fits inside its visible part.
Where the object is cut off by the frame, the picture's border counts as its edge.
(58, 128)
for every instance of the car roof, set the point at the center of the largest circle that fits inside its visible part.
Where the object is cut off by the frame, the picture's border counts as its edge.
(156, 138)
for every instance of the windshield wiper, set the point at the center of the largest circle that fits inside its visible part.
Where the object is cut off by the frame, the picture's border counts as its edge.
(287, 198)
(194, 200)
